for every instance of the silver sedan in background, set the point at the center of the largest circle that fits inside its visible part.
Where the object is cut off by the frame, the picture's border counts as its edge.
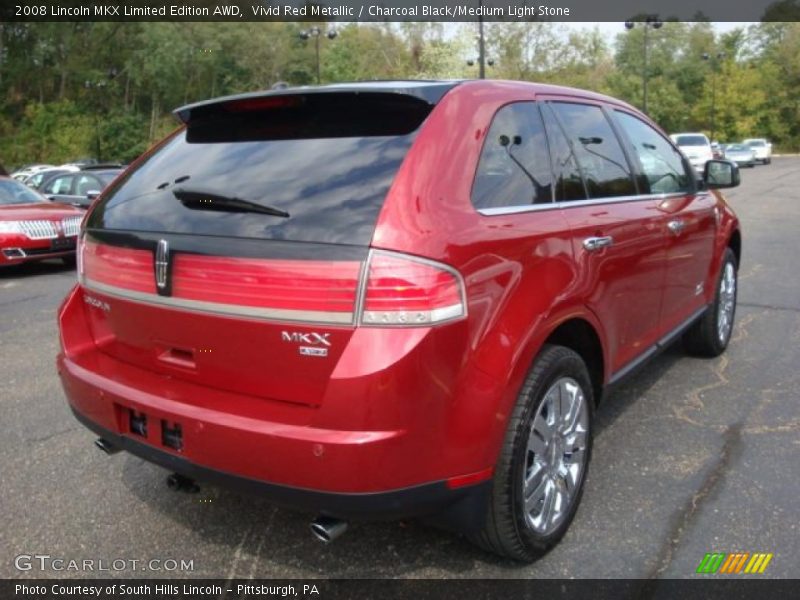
(742, 155)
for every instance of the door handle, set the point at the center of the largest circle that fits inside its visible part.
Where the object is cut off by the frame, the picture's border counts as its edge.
(592, 244)
(676, 226)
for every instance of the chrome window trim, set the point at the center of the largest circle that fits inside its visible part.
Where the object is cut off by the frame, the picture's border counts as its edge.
(510, 210)
(231, 310)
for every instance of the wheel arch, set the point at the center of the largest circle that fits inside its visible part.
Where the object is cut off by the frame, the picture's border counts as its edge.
(580, 336)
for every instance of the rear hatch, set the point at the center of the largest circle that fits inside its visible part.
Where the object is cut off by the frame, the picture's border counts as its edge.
(232, 255)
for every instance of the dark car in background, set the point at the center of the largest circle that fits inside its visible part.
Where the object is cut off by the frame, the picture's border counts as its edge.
(80, 188)
(38, 179)
(31, 228)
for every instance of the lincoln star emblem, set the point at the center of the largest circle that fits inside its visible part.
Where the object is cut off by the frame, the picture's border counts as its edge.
(162, 262)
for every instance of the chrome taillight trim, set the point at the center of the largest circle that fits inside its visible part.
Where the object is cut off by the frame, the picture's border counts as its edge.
(435, 317)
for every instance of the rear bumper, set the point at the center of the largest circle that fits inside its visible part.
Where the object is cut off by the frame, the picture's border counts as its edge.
(397, 453)
(460, 508)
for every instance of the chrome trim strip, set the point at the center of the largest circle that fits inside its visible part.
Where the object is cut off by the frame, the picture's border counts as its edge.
(510, 210)
(276, 314)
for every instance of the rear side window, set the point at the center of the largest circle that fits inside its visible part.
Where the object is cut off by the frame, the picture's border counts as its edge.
(660, 162)
(600, 157)
(314, 168)
(514, 167)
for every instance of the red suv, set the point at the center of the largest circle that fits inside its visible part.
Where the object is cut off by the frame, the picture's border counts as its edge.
(394, 299)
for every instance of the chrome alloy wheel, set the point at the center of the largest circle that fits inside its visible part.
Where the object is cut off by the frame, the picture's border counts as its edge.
(727, 302)
(555, 458)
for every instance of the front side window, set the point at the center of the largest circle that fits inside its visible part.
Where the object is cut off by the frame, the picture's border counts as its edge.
(514, 167)
(86, 184)
(661, 164)
(600, 157)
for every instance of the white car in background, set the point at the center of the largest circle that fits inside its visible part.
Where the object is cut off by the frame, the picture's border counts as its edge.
(762, 149)
(696, 147)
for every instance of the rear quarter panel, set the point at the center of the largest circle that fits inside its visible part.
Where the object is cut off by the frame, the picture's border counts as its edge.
(519, 269)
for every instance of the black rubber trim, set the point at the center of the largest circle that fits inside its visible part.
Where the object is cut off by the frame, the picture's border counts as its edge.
(457, 509)
(654, 350)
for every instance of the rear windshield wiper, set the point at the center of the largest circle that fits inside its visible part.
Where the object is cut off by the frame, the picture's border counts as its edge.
(199, 200)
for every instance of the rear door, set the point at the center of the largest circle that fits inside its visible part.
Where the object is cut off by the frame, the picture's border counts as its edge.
(232, 255)
(690, 222)
(617, 232)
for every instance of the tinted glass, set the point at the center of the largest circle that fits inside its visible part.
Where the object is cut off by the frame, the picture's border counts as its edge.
(600, 156)
(691, 140)
(59, 185)
(661, 163)
(568, 180)
(757, 143)
(300, 159)
(14, 192)
(87, 183)
(514, 167)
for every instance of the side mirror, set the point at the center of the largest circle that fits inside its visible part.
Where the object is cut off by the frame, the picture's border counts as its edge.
(721, 174)
(92, 194)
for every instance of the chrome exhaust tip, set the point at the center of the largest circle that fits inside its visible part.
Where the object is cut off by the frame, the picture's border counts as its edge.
(106, 446)
(327, 529)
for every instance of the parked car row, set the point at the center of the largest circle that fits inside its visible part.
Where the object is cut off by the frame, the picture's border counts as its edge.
(77, 183)
(699, 150)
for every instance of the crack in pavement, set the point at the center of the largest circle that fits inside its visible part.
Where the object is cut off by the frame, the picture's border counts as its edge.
(731, 449)
(769, 306)
(694, 398)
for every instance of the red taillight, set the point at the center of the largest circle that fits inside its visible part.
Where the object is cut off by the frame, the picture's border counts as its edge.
(407, 291)
(125, 268)
(318, 287)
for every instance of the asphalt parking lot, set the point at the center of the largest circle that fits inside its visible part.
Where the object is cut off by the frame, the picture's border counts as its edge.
(691, 456)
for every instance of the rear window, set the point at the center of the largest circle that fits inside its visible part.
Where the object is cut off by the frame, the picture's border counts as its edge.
(691, 140)
(313, 168)
(756, 143)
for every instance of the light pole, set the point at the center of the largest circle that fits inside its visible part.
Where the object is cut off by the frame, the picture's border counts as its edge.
(651, 21)
(316, 33)
(482, 61)
(714, 60)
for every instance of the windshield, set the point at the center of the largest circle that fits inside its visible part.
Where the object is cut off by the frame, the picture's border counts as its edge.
(14, 192)
(756, 143)
(691, 140)
(737, 148)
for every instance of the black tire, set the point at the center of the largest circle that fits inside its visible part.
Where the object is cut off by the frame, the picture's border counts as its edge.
(507, 531)
(703, 338)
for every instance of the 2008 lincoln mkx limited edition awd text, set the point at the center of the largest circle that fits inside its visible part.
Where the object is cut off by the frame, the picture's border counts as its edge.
(394, 299)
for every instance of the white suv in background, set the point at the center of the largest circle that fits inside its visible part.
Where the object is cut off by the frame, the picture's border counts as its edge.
(761, 148)
(696, 147)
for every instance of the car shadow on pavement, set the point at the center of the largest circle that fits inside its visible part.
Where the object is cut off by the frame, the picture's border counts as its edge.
(34, 269)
